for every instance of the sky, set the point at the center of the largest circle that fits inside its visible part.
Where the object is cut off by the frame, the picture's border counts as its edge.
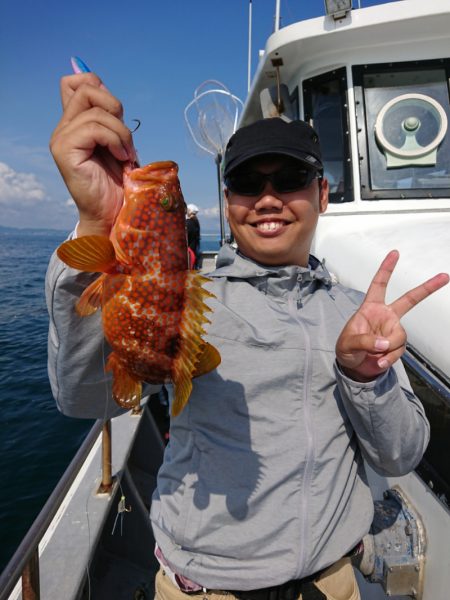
(152, 55)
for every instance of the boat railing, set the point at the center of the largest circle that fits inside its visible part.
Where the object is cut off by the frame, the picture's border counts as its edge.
(25, 561)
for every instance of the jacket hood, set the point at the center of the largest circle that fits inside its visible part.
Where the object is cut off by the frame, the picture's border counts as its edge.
(276, 280)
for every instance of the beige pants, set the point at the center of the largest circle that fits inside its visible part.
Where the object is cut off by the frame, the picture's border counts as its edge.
(338, 582)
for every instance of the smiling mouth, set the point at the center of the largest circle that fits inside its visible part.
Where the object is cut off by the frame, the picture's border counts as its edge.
(270, 226)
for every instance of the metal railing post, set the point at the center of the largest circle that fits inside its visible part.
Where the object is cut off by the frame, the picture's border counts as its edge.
(30, 578)
(107, 479)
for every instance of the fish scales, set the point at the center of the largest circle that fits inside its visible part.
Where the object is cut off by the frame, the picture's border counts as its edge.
(153, 308)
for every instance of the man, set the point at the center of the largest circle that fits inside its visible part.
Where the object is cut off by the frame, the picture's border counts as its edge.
(262, 492)
(193, 234)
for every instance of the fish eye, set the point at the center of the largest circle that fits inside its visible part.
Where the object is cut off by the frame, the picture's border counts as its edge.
(169, 203)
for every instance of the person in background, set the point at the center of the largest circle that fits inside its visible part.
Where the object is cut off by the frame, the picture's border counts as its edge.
(193, 234)
(262, 493)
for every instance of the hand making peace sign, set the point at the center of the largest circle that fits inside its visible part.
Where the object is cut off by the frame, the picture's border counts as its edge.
(373, 339)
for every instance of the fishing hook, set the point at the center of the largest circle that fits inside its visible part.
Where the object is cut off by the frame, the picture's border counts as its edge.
(121, 509)
(137, 126)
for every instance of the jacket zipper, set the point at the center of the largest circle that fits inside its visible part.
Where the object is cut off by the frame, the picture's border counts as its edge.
(293, 302)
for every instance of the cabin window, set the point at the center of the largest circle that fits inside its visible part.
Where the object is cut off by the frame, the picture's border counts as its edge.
(434, 392)
(325, 102)
(403, 116)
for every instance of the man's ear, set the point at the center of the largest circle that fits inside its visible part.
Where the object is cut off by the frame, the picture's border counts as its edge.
(324, 190)
(225, 193)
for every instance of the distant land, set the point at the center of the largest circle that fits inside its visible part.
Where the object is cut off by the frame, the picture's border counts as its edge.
(32, 230)
(4, 229)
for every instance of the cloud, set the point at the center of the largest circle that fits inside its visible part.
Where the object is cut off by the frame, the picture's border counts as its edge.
(210, 212)
(19, 189)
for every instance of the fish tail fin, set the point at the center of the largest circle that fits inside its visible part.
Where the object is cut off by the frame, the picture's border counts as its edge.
(127, 390)
(91, 299)
(196, 357)
(89, 253)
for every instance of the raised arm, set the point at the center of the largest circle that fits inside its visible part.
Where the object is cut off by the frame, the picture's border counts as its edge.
(388, 419)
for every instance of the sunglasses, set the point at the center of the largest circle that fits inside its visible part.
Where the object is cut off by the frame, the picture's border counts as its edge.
(289, 179)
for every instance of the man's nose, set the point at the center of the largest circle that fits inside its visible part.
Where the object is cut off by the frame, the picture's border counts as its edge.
(268, 199)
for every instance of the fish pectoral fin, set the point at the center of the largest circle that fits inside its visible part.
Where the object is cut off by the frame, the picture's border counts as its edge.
(127, 390)
(182, 391)
(90, 253)
(120, 254)
(209, 359)
(91, 299)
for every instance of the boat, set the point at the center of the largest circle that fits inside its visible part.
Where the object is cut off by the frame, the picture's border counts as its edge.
(374, 82)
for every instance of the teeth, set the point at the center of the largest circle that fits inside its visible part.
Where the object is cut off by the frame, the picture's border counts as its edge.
(269, 226)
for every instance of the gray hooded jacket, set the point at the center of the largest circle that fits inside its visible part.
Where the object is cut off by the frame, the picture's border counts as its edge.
(263, 479)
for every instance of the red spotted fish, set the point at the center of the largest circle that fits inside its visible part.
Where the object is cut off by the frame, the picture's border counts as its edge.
(153, 307)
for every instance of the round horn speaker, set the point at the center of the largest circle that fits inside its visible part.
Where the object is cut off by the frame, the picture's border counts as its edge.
(411, 126)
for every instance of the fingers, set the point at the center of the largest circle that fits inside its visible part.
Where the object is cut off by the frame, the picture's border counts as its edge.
(92, 117)
(373, 340)
(85, 96)
(371, 343)
(70, 84)
(386, 361)
(406, 302)
(85, 99)
(377, 289)
(358, 351)
(91, 128)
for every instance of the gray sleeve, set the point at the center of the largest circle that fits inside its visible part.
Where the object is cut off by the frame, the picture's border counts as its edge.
(388, 419)
(77, 350)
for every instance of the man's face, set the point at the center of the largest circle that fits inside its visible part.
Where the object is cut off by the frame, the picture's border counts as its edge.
(275, 228)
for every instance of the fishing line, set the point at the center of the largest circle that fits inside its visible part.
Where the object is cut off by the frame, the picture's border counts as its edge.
(88, 575)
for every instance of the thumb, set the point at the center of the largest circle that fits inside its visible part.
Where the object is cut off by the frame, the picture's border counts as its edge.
(351, 347)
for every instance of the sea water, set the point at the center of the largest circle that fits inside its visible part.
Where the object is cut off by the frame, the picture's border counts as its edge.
(36, 441)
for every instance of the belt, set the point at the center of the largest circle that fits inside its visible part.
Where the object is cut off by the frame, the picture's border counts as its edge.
(290, 590)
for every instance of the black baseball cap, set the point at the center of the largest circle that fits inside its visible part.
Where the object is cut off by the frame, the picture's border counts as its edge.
(274, 136)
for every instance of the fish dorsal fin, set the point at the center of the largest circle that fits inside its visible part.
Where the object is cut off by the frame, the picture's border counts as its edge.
(195, 357)
(126, 389)
(90, 253)
(91, 299)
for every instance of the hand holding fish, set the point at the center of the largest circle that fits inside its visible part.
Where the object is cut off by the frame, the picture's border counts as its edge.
(374, 339)
(90, 146)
